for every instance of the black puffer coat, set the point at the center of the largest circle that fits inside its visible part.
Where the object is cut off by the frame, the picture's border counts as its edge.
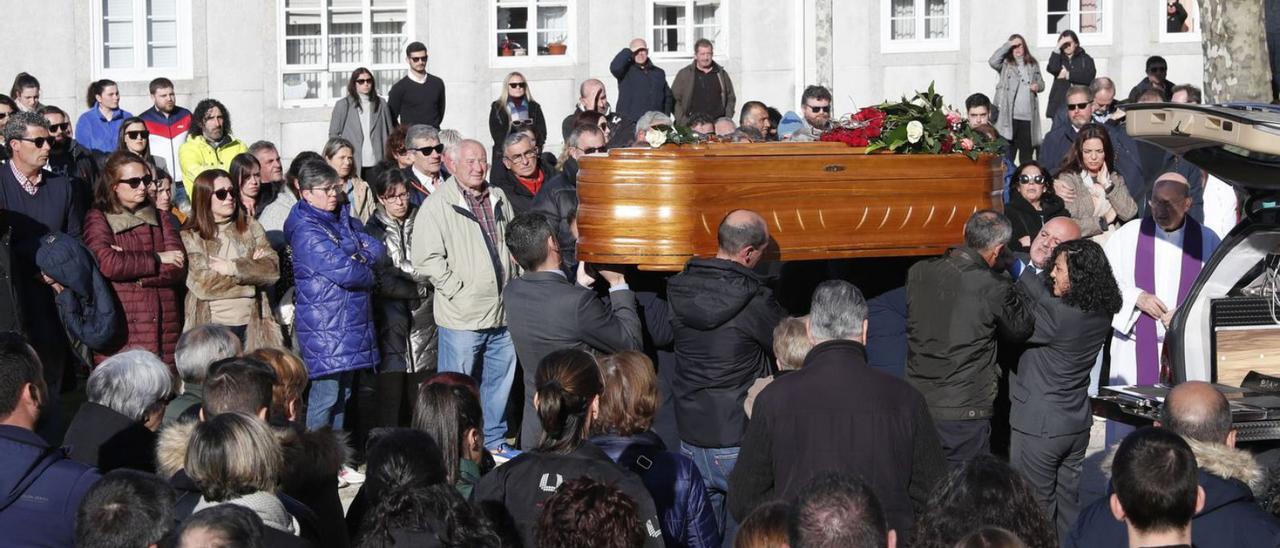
(402, 301)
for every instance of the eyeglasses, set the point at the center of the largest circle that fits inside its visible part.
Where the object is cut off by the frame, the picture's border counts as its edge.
(426, 151)
(517, 85)
(818, 109)
(595, 150)
(526, 156)
(135, 182)
(418, 59)
(137, 134)
(401, 197)
(224, 193)
(331, 189)
(59, 128)
(1077, 106)
(363, 81)
(39, 142)
(1033, 179)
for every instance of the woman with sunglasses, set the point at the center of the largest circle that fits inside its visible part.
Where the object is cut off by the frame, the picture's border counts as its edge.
(340, 154)
(7, 107)
(363, 119)
(1017, 97)
(1101, 199)
(232, 264)
(246, 174)
(135, 138)
(1031, 204)
(515, 109)
(140, 251)
(1069, 65)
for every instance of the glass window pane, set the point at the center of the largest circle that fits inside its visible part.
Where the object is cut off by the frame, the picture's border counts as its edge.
(302, 24)
(162, 31)
(302, 51)
(303, 4)
(669, 40)
(903, 29)
(345, 4)
(513, 18)
(162, 8)
(118, 58)
(903, 8)
(388, 49)
(389, 3)
(338, 84)
(554, 18)
(1058, 14)
(162, 56)
(705, 12)
(117, 8)
(1090, 23)
(709, 32)
(118, 33)
(389, 22)
(668, 13)
(513, 43)
(346, 42)
(936, 27)
(935, 8)
(384, 79)
(301, 86)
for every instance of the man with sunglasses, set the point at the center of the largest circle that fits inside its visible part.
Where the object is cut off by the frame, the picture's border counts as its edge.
(68, 158)
(583, 140)
(1157, 69)
(815, 116)
(34, 202)
(1079, 108)
(427, 172)
(642, 86)
(418, 98)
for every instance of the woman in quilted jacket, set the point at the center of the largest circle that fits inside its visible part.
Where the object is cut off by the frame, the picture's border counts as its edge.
(333, 273)
(139, 250)
(232, 264)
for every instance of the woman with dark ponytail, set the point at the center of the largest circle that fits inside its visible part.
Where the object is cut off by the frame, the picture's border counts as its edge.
(98, 129)
(568, 386)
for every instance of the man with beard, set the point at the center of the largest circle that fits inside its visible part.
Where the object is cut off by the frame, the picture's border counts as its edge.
(167, 123)
(69, 159)
(209, 143)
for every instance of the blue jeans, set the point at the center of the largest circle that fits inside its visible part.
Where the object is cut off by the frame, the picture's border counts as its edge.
(715, 464)
(327, 400)
(489, 355)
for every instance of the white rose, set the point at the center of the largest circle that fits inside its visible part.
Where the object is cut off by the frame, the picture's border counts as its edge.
(915, 130)
(655, 137)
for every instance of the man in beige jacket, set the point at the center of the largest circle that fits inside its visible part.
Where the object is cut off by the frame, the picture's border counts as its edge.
(458, 244)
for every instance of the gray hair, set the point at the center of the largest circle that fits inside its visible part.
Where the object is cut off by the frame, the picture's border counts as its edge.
(335, 144)
(314, 174)
(130, 383)
(16, 127)
(420, 131)
(986, 229)
(837, 311)
(449, 138)
(1076, 90)
(201, 346)
(455, 153)
(514, 139)
(1101, 83)
(650, 119)
(578, 132)
(259, 146)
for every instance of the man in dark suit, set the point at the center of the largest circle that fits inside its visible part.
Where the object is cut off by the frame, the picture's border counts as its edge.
(547, 312)
(1035, 261)
(821, 417)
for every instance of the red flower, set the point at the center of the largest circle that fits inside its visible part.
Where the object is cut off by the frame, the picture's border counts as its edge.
(862, 127)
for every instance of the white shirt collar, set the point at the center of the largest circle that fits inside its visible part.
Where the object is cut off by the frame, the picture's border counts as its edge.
(415, 78)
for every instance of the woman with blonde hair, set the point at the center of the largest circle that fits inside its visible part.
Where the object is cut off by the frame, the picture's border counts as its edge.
(515, 109)
(232, 264)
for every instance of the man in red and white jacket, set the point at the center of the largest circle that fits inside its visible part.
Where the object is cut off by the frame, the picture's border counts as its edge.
(168, 124)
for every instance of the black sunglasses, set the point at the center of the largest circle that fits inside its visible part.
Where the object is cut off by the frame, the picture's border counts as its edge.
(135, 182)
(1160, 70)
(223, 193)
(4, 115)
(419, 59)
(57, 128)
(439, 149)
(364, 80)
(819, 109)
(137, 134)
(1037, 179)
(520, 85)
(1077, 106)
(39, 142)
(522, 122)
(595, 150)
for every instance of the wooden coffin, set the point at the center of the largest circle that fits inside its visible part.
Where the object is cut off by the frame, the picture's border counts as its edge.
(656, 208)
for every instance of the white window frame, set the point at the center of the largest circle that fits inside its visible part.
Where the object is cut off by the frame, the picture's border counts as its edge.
(1049, 40)
(1167, 37)
(140, 71)
(366, 9)
(889, 45)
(721, 42)
(531, 57)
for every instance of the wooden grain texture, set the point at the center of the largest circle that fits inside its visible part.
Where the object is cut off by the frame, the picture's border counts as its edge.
(656, 208)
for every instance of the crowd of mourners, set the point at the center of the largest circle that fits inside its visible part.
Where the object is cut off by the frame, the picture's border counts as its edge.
(203, 346)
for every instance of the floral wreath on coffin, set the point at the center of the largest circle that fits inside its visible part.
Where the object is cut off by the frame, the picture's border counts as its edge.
(920, 125)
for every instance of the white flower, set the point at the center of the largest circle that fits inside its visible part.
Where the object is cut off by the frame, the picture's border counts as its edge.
(655, 137)
(915, 130)
(920, 102)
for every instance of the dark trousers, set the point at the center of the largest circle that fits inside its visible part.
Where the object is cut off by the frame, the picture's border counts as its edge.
(1052, 466)
(1021, 149)
(396, 393)
(964, 440)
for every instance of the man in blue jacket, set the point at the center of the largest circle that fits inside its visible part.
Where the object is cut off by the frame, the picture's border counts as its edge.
(40, 488)
(642, 86)
(1230, 516)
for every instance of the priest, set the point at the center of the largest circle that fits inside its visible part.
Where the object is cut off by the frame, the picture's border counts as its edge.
(1156, 259)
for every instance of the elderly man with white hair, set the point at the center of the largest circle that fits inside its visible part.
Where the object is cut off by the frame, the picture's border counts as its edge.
(198, 348)
(116, 427)
(458, 244)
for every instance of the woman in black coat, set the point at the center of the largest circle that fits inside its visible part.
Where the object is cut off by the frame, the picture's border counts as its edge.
(515, 109)
(1031, 204)
(1069, 65)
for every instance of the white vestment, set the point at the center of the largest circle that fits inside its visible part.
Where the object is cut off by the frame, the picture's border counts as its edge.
(1121, 251)
(1219, 206)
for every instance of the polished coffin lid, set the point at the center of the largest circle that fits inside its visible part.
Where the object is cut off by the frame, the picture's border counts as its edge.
(657, 207)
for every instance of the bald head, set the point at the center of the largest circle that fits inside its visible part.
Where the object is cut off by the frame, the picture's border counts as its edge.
(1196, 410)
(742, 237)
(1175, 180)
(1054, 232)
(638, 43)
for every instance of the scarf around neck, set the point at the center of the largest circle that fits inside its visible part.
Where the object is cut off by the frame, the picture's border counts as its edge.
(266, 505)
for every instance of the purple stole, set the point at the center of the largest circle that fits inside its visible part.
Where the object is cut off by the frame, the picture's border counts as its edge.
(1144, 274)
